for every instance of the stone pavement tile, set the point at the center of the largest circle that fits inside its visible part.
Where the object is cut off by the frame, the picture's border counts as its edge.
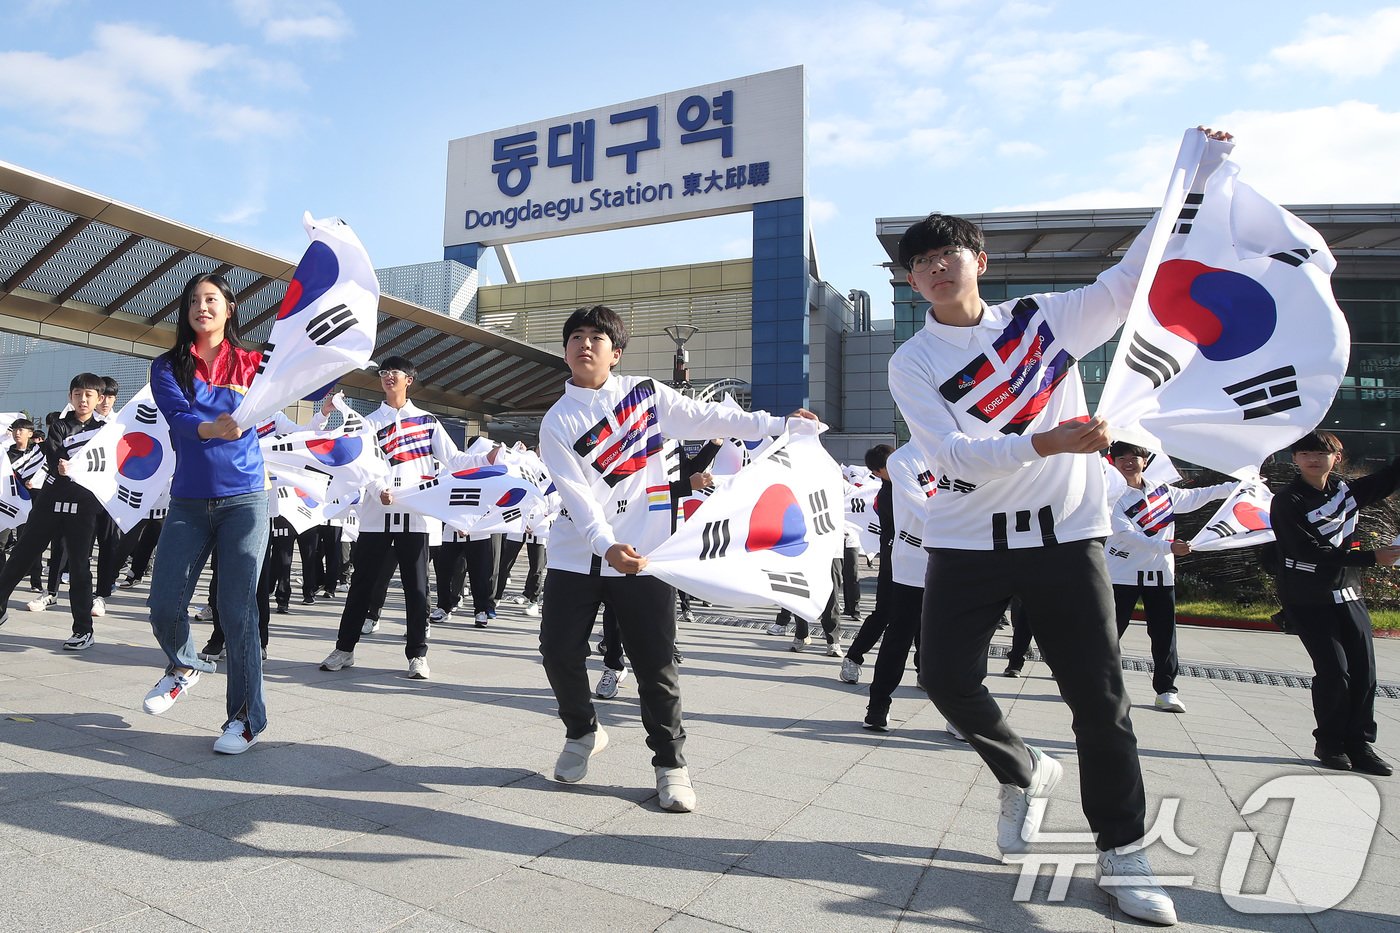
(283, 765)
(985, 897)
(927, 786)
(1205, 907)
(584, 805)
(927, 759)
(788, 761)
(888, 875)
(289, 896)
(932, 817)
(492, 832)
(698, 834)
(183, 792)
(858, 831)
(23, 782)
(764, 778)
(631, 868)
(87, 764)
(524, 901)
(159, 864)
(149, 920)
(452, 775)
(749, 807)
(1345, 918)
(355, 751)
(428, 921)
(71, 817)
(285, 825)
(747, 901)
(416, 735)
(400, 793)
(45, 731)
(418, 871)
(38, 895)
(685, 923)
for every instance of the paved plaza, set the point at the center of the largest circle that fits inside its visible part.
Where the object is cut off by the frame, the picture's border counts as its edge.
(379, 803)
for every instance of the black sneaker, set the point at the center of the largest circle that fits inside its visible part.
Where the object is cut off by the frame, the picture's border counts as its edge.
(1364, 759)
(282, 609)
(877, 720)
(308, 600)
(1011, 671)
(1330, 758)
(213, 651)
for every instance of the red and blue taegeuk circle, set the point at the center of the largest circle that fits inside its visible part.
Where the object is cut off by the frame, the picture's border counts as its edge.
(138, 455)
(481, 472)
(316, 273)
(776, 523)
(336, 451)
(1226, 314)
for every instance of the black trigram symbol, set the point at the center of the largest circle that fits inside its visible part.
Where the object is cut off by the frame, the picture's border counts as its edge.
(948, 484)
(464, 497)
(1189, 210)
(821, 513)
(1222, 529)
(429, 484)
(782, 459)
(97, 459)
(1151, 361)
(284, 446)
(857, 505)
(1294, 257)
(873, 528)
(714, 538)
(621, 506)
(9, 510)
(266, 357)
(129, 497)
(1266, 394)
(303, 511)
(146, 414)
(510, 515)
(913, 540)
(793, 583)
(330, 324)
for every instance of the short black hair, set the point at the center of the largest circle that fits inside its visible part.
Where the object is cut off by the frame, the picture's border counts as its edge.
(602, 318)
(1324, 442)
(1124, 449)
(402, 363)
(877, 456)
(110, 386)
(21, 423)
(87, 381)
(937, 231)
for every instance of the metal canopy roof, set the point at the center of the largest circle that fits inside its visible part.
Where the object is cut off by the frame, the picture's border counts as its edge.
(82, 269)
(1361, 236)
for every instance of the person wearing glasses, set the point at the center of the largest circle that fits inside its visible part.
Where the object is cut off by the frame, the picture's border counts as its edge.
(416, 446)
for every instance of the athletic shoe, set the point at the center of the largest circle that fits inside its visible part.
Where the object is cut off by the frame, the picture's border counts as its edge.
(799, 644)
(338, 659)
(370, 627)
(877, 720)
(1023, 808)
(608, 683)
(777, 628)
(572, 765)
(282, 608)
(418, 669)
(834, 649)
(427, 632)
(36, 589)
(308, 600)
(686, 617)
(42, 603)
(205, 614)
(214, 651)
(129, 582)
(850, 671)
(77, 642)
(490, 613)
(482, 620)
(1126, 876)
(519, 600)
(1170, 702)
(1011, 671)
(1364, 759)
(532, 609)
(64, 578)
(952, 730)
(99, 607)
(264, 654)
(167, 690)
(236, 740)
(439, 615)
(673, 790)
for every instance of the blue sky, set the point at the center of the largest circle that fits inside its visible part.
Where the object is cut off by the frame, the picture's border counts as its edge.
(236, 116)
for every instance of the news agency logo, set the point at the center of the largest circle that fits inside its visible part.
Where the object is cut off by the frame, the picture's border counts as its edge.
(1331, 822)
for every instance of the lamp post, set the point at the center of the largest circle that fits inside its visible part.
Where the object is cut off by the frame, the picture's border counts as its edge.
(680, 363)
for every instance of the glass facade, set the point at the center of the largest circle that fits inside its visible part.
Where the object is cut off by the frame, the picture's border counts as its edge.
(1366, 413)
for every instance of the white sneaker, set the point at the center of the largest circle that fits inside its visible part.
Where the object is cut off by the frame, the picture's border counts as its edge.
(519, 600)
(834, 649)
(952, 730)
(799, 644)
(439, 614)
(850, 671)
(64, 578)
(42, 603)
(572, 765)
(482, 620)
(205, 614)
(1128, 878)
(1023, 808)
(337, 660)
(418, 669)
(1170, 702)
(78, 642)
(532, 609)
(608, 683)
(99, 607)
(370, 627)
(673, 790)
(777, 628)
(236, 740)
(167, 690)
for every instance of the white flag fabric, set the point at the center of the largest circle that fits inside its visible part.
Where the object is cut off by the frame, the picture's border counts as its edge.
(14, 494)
(1234, 347)
(485, 495)
(767, 537)
(1241, 521)
(860, 514)
(128, 462)
(302, 510)
(325, 327)
(327, 464)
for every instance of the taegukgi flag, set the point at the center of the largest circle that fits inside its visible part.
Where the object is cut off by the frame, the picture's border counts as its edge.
(325, 327)
(303, 510)
(767, 537)
(860, 514)
(1241, 521)
(1234, 347)
(329, 464)
(14, 494)
(486, 495)
(128, 462)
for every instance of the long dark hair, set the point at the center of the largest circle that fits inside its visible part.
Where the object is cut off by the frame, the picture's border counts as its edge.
(181, 360)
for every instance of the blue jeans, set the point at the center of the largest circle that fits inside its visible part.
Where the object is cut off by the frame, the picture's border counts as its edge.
(238, 525)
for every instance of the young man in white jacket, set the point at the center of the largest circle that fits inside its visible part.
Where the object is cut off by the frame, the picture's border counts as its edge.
(601, 443)
(1142, 553)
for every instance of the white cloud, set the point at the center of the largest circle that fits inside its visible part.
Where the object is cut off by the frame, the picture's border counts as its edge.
(1348, 47)
(1019, 149)
(820, 210)
(1137, 73)
(287, 22)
